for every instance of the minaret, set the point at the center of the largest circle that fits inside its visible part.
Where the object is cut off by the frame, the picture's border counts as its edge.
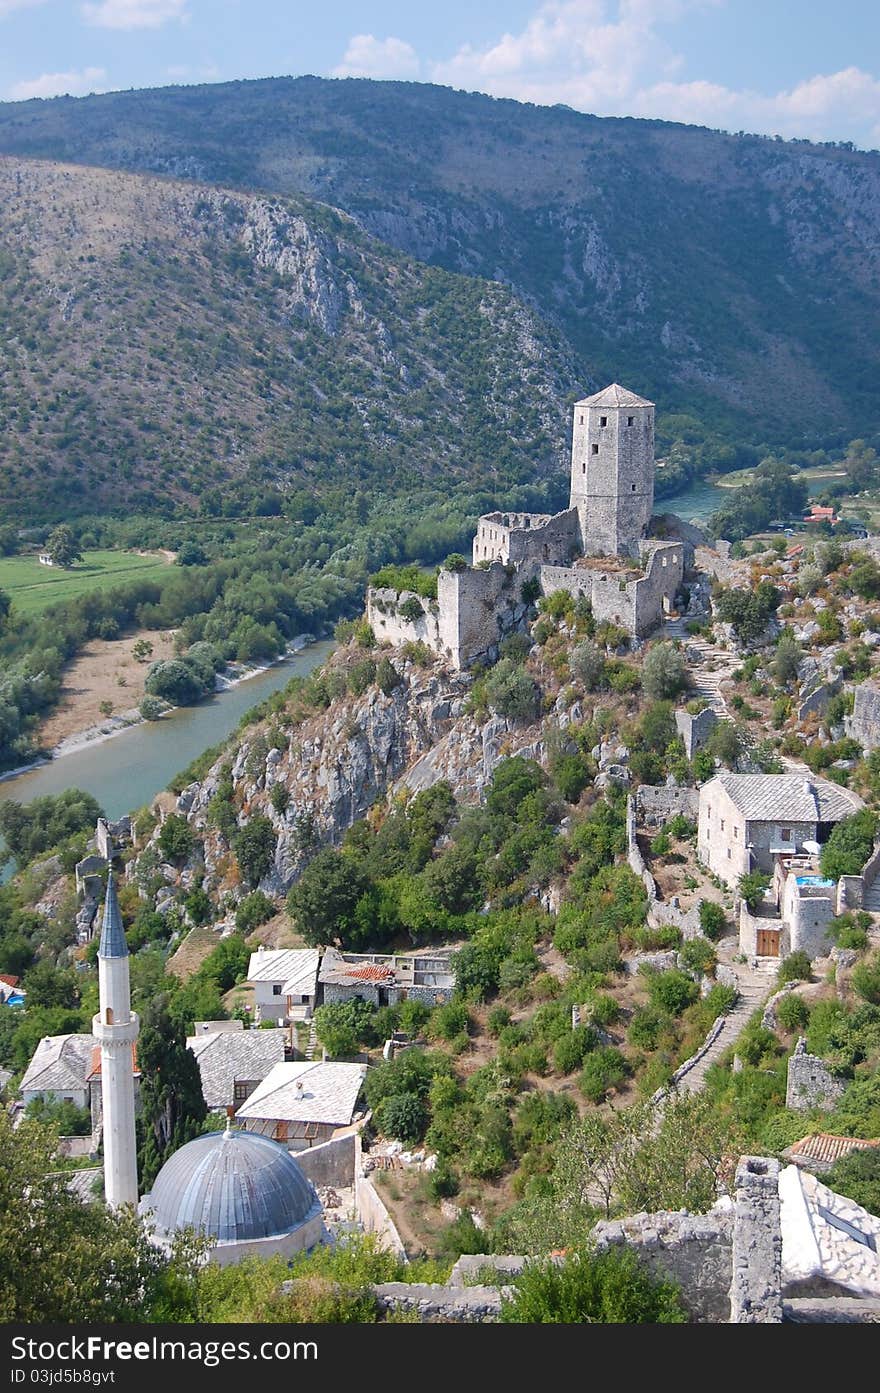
(612, 471)
(116, 1028)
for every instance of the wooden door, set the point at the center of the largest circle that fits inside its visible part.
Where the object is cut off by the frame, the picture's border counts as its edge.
(768, 943)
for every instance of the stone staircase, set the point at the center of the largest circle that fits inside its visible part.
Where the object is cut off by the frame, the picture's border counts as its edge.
(312, 1046)
(708, 668)
(754, 986)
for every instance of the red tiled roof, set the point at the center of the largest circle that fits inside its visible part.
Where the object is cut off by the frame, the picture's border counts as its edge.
(825, 1146)
(9, 979)
(95, 1069)
(371, 972)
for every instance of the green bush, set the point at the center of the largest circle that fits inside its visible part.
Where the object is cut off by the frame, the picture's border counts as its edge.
(175, 838)
(646, 1027)
(713, 920)
(698, 955)
(605, 1069)
(512, 692)
(858, 1177)
(793, 1013)
(795, 968)
(571, 1049)
(402, 1115)
(849, 846)
(671, 991)
(606, 1288)
(866, 979)
(255, 909)
(450, 1020)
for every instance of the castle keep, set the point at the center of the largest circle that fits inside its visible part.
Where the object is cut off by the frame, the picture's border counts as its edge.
(599, 547)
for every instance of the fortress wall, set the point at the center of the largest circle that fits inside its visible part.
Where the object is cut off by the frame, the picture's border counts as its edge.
(389, 625)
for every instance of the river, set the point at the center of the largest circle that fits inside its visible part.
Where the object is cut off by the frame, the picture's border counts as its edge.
(129, 769)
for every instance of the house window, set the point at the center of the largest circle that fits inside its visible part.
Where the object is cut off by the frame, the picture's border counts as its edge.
(634, 488)
(581, 420)
(603, 420)
(736, 834)
(786, 834)
(584, 467)
(276, 988)
(629, 420)
(728, 853)
(239, 1091)
(722, 824)
(595, 449)
(663, 558)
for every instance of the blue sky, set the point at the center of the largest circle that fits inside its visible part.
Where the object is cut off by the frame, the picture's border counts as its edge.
(788, 67)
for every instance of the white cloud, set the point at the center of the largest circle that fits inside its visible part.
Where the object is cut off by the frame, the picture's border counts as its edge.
(133, 14)
(610, 57)
(73, 84)
(367, 56)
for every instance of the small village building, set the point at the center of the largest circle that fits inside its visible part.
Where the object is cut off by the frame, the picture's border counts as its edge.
(384, 979)
(285, 982)
(746, 821)
(243, 1191)
(233, 1062)
(305, 1103)
(67, 1068)
(821, 1150)
(12, 993)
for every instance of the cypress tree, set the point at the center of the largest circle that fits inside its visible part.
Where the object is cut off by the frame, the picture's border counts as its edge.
(173, 1105)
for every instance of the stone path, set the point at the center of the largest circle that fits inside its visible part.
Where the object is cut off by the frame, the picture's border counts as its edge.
(708, 668)
(754, 986)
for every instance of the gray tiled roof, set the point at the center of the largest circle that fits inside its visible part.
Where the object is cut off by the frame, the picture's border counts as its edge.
(615, 395)
(232, 1186)
(113, 944)
(328, 1093)
(225, 1056)
(788, 798)
(59, 1064)
(286, 965)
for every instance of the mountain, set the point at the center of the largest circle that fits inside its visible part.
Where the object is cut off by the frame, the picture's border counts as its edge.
(731, 276)
(161, 339)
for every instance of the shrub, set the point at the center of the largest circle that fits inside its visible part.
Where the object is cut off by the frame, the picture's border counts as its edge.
(866, 980)
(571, 1049)
(792, 1013)
(698, 955)
(713, 920)
(849, 846)
(450, 1020)
(604, 1070)
(175, 838)
(752, 888)
(646, 1027)
(412, 609)
(497, 1019)
(254, 847)
(858, 1177)
(387, 676)
(586, 663)
(152, 707)
(255, 909)
(512, 692)
(279, 797)
(402, 1115)
(571, 776)
(660, 844)
(604, 1288)
(795, 968)
(671, 991)
(664, 672)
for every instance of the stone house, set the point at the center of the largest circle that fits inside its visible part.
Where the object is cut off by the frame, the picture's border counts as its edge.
(233, 1063)
(746, 821)
(67, 1068)
(385, 979)
(305, 1103)
(284, 982)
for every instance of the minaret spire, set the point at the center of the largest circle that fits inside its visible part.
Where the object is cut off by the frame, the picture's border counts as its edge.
(116, 1029)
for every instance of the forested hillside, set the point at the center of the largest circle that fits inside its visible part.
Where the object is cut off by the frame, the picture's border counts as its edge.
(162, 340)
(732, 276)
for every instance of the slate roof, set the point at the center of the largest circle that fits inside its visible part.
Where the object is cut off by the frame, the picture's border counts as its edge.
(113, 944)
(297, 968)
(788, 798)
(615, 395)
(329, 1093)
(59, 1064)
(225, 1056)
(232, 1186)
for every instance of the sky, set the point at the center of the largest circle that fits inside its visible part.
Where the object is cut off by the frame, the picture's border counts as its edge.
(796, 68)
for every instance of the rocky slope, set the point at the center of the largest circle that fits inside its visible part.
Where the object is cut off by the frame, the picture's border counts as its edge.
(733, 275)
(161, 339)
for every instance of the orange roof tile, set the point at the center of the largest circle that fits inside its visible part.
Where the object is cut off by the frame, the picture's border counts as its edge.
(95, 1069)
(825, 1146)
(9, 979)
(372, 972)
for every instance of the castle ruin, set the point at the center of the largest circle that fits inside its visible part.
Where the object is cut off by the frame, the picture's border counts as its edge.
(599, 547)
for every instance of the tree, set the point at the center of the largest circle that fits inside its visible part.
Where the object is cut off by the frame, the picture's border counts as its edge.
(175, 838)
(786, 660)
(62, 546)
(51, 986)
(748, 611)
(857, 1176)
(65, 1260)
(610, 1287)
(724, 744)
(173, 1105)
(752, 888)
(586, 662)
(849, 846)
(46, 822)
(254, 847)
(324, 900)
(512, 692)
(664, 672)
(402, 1115)
(341, 1025)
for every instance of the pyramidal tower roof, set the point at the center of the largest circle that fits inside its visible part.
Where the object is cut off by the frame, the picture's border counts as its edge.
(113, 944)
(615, 395)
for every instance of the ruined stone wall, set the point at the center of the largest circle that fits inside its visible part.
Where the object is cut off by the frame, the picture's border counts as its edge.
(331, 1163)
(477, 609)
(756, 1284)
(806, 918)
(692, 1250)
(661, 582)
(520, 538)
(811, 1083)
(390, 626)
(695, 731)
(656, 803)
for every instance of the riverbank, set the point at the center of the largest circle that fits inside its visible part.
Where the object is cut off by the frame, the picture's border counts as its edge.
(109, 727)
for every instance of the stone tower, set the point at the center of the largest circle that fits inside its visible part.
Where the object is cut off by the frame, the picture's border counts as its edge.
(116, 1028)
(612, 471)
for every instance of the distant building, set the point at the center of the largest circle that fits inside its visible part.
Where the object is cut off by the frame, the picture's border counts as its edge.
(233, 1062)
(305, 1103)
(11, 991)
(67, 1068)
(386, 978)
(747, 820)
(285, 981)
(821, 1150)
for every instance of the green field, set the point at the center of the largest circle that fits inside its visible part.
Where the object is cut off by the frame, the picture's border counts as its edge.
(33, 587)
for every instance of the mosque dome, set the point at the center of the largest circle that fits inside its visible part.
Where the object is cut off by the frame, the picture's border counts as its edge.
(234, 1187)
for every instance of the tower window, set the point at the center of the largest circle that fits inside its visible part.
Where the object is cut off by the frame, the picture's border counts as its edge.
(634, 488)
(595, 449)
(584, 467)
(603, 420)
(630, 420)
(581, 420)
